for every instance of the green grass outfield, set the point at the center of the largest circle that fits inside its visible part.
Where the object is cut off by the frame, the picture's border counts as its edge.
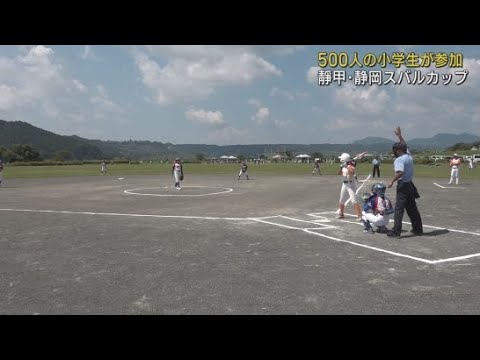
(12, 172)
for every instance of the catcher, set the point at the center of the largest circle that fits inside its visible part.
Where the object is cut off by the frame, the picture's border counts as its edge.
(376, 209)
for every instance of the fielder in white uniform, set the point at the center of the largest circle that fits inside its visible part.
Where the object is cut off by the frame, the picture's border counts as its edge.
(177, 172)
(349, 186)
(104, 167)
(243, 170)
(455, 163)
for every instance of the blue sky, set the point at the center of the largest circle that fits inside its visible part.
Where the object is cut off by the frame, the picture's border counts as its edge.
(208, 94)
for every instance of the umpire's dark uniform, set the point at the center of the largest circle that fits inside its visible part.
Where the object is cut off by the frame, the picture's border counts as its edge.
(406, 195)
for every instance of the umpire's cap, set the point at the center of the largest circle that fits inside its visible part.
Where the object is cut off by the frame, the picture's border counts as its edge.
(399, 146)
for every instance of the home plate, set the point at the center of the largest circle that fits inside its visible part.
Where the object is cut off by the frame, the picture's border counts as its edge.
(121, 178)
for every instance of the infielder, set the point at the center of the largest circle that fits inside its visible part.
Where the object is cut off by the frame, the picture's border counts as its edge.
(243, 170)
(177, 172)
(455, 163)
(104, 167)
(316, 168)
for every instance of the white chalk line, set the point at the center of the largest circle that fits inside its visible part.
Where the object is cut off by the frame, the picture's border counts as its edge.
(262, 220)
(448, 187)
(370, 247)
(456, 258)
(309, 222)
(133, 191)
(425, 226)
(126, 214)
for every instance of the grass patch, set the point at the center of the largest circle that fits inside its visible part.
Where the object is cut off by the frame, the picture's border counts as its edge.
(13, 172)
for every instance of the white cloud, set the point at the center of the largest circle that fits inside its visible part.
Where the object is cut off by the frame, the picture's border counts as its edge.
(79, 86)
(8, 97)
(369, 100)
(289, 95)
(312, 75)
(283, 93)
(88, 53)
(38, 55)
(103, 104)
(452, 108)
(32, 78)
(301, 93)
(102, 91)
(254, 103)
(283, 123)
(405, 48)
(422, 110)
(262, 115)
(214, 118)
(287, 50)
(195, 72)
(218, 51)
(342, 123)
(227, 135)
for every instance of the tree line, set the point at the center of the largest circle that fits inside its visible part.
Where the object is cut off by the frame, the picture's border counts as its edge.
(19, 152)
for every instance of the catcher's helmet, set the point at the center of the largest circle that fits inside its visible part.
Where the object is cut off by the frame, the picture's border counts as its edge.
(379, 189)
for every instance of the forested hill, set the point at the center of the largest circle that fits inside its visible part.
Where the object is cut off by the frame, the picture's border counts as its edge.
(51, 145)
(46, 142)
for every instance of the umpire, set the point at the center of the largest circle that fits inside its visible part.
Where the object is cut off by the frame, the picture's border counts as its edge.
(406, 190)
(376, 166)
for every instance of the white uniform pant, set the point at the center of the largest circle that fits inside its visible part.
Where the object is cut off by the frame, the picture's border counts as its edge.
(177, 174)
(454, 175)
(348, 191)
(377, 220)
(241, 172)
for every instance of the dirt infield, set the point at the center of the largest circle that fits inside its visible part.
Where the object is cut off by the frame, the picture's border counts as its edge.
(270, 245)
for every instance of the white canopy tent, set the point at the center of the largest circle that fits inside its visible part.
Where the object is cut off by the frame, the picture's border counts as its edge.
(303, 158)
(278, 157)
(228, 158)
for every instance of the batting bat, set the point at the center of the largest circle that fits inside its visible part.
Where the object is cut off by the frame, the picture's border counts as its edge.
(360, 156)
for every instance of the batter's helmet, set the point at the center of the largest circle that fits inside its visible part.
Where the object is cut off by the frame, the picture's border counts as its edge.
(344, 157)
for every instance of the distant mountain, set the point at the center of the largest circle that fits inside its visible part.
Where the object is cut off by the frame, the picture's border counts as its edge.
(48, 144)
(373, 141)
(439, 141)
